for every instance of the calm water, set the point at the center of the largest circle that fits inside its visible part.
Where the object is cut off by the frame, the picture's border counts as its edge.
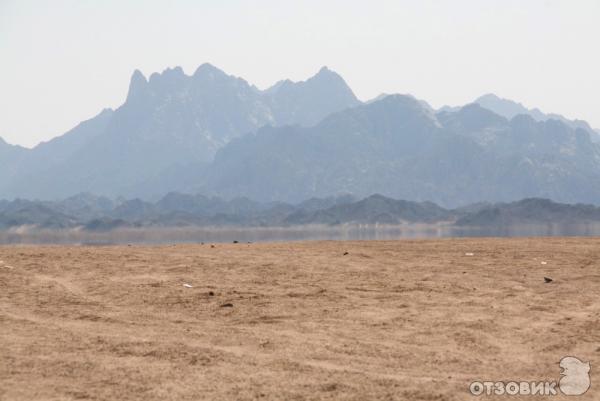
(254, 234)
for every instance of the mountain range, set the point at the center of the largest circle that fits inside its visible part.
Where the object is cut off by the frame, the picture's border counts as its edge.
(94, 213)
(218, 135)
(169, 123)
(397, 147)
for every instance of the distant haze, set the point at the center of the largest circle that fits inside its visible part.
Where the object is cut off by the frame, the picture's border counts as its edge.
(64, 61)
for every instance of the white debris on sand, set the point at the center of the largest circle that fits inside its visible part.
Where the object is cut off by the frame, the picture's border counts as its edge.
(186, 285)
(469, 254)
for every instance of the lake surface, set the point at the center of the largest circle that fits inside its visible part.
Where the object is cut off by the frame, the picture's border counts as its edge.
(298, 233)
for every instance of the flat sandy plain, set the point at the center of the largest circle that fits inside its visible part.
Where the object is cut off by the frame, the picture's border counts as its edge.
(389, 320)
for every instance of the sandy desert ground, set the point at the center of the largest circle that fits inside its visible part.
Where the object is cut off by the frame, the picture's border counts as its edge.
(389, 320)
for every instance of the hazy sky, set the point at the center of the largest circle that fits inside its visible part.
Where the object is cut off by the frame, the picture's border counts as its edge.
(63, 61)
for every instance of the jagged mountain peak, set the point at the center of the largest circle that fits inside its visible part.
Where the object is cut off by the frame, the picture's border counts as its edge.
(308, 102)
(323, 76)
(377, 98)
(174, 72)
(327, 76)
(208, 70)
(505, 107)
(325, 72)
(170, 79)
(492, 97)
(278, 85)
(392, 113)
(471, 118)
(397, 102)
(405, 105)
(138, 76)
(475, 109)
(137, 85)
(399, 98)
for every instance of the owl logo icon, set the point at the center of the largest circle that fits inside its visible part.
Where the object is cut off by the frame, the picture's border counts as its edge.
(575, 376)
